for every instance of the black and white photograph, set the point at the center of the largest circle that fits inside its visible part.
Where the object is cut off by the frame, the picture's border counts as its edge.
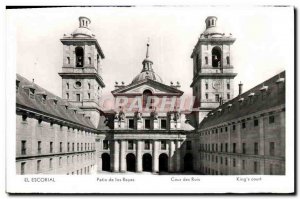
(150, 99)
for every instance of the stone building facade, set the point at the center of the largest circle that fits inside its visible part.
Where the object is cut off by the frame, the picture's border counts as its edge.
(147, 131)
(53, 137)
(246, 135)
(213, 73)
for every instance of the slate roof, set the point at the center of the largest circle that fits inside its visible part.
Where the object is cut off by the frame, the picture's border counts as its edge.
(48, 107)
(244, 105)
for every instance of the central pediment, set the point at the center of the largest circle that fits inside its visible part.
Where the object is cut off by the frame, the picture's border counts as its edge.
(155, 87)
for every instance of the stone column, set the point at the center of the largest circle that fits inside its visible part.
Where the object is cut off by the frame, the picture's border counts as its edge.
(139, 161)
(155, 157)
(177, 157)
(99, 163)
(116, 156)
(122, 156)
(261, 146)
(171, 155)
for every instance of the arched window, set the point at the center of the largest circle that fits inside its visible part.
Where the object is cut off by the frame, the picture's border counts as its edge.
(146, 95)
(68, 60)
(79, 56)
(216, 56)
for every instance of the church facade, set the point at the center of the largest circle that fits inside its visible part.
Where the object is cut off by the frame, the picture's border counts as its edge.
(147, 131)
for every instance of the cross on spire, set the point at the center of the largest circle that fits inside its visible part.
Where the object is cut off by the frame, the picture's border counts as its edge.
(148, 44)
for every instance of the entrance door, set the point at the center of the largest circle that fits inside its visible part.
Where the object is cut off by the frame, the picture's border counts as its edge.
(188, 162)
(163, 162)
(105, 162)
(130, 162)
(147, 162)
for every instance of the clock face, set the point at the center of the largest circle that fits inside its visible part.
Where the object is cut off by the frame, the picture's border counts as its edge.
(216, 84)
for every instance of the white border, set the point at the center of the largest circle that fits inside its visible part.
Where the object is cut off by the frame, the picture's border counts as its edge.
(144, 184)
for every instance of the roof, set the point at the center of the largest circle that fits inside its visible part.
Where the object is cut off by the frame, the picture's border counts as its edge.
(263, 96)
(147, 75)
(47, 106)
(123, 89)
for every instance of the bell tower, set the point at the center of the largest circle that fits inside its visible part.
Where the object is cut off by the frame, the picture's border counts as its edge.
(81, 70)
(212, 69)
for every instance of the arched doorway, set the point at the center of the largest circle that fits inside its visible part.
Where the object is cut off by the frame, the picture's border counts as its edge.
(188, 162)
(147, 162)
(105, 162)
(216, 56)
(163, 162)
(130, 162)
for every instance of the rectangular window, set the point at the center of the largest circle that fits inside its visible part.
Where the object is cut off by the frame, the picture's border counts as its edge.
(163, 145)
(255, 165)
(255, 122)
(244, 148)
(226, 161)
(233, 162)
(131, 123)
(50, 163)
(77, 146)
(68, 147)
(228, 96)
(206, 60)
(163, 124)
(147, 124)
(23, 147)
(130, 144)
(226, 147)
(233, 127)
(244, 124)
(188, 145)
(206, 95)
(147, 144)
(234, 148)
(217, 97)
(23, 164)
(105, 144)
(73, 146)
(81, 146)
(228, 86)
(271, 169)
(244, 164)
(51, 147)
(38, 165)
(255, 148)
(221, 147)
(272, 148)
(78, 97)
(226, 129)
(60, 161)
(271, 119)
(39, 147)
(206, 86)
(60, 147)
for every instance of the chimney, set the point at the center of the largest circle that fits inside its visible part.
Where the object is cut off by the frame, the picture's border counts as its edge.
(240, 88)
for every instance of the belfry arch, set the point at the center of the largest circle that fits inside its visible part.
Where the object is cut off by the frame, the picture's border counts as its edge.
(216, 55)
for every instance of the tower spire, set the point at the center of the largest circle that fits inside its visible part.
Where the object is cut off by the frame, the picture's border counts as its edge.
(148, 44)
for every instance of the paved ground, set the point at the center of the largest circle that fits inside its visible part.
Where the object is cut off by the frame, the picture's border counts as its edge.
(147, 173)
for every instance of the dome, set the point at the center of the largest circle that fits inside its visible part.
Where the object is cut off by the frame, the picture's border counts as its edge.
(82, 32)
(213, 31)
(147, 75)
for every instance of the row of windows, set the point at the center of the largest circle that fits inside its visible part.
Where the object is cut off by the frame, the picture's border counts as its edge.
(217, 96)
(163, 124)
(163, 145)
(70, 147)
(69, 160)
(243, 126)
(227, 85)
(227, 60)
(85, 170)
(224, 148)
(255, 164)
(70, 129)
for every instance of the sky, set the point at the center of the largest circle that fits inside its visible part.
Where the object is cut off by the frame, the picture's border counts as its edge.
(264, 41)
